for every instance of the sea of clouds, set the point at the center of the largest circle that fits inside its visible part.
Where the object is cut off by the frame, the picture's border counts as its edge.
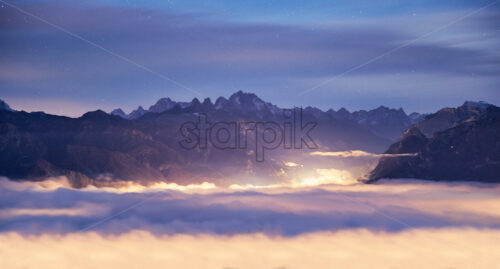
(392, 224)
(286, 211)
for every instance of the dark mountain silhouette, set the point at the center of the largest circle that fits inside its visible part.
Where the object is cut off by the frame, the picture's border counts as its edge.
(5, 106)
(464, 146)
(449, 117)
(118, 112)
(386, 123)
(139, 112)
(383, 121)
(144, 146)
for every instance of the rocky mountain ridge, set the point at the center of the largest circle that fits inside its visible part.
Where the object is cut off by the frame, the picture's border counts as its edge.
(385, 122)
(464, 145)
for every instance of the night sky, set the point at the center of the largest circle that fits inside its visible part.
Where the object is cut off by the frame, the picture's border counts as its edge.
(419, 55)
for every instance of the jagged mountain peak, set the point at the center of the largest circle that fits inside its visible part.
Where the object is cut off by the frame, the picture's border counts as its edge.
(197, 106)
(343, 110)
(118, 112)
(195, 102)
(163, 104)
(220, 103)
(165, 99)
(313, 110)
(139, 112)
(207, 101)
(241, 97)
(241, 93)
(479, 104)
(384, 109)
(378, 120)
(413, 131)
(246, 102)
(448, 117)
(220, 99)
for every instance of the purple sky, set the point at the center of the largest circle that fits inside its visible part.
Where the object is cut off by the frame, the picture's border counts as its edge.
(277, 50)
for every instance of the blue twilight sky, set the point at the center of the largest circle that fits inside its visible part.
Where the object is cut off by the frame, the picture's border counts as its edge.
(276, 49)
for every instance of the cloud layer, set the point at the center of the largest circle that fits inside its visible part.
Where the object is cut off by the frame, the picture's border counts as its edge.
(357, 153)
(427, 248)
(279, 211)
(410, 224)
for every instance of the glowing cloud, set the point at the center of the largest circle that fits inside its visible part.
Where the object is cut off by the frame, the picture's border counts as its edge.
(357, 153)
(444, 248)
(129, 186)
(329, 176)
(292, 164)
(83, 210)
(51, 184)
(48, 184)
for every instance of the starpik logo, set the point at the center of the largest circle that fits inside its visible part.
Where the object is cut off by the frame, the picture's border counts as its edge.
(290, 133)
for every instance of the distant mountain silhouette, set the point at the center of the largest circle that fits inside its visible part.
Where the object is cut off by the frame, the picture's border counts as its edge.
(387, 123)
(383, 121)
(144, 145)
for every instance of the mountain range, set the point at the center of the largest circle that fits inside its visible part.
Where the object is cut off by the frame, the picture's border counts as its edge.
(143, 146)
(453, 144)
(384, 122)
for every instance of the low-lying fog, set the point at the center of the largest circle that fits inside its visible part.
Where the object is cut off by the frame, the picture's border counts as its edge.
(391, 223)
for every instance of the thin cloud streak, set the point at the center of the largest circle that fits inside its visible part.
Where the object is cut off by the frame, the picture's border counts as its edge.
(221, 57)
(79, 37)
(391, 51)
(359, 153)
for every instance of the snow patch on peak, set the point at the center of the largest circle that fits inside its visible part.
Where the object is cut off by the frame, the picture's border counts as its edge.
(482, 105)
(259, 104)
(118, 112)
(162, 105)
(139, 112)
